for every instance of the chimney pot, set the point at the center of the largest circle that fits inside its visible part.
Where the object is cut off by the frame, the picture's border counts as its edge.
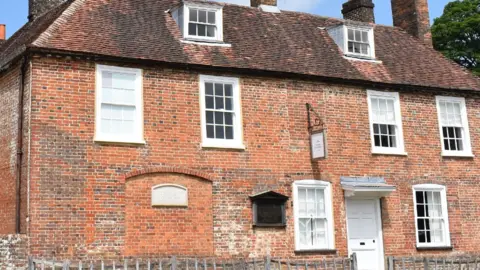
(257, 3)
(3, 32)
(37, 8)
(413, 17)
(359, 10)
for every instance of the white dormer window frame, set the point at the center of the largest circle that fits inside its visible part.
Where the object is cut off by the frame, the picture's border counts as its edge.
(202, 24)
(358, 39)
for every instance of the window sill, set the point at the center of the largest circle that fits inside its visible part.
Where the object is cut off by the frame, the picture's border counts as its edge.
(330, 251)
(450, 154)
(380, 152)
(435, 248)
(235, 146)
(123, 142)
(361, 58)
(207, 42)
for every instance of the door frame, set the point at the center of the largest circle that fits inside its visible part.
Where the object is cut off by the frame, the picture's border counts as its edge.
(378, 210)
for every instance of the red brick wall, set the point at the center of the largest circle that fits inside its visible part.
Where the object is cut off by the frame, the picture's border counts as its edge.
(9, 89)
(168, 230)
(79, 195)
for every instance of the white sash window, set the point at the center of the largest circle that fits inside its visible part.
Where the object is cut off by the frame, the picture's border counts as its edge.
(119, 105)
(313, 215)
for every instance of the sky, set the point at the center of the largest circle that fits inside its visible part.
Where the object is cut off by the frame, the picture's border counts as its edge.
(14, 13)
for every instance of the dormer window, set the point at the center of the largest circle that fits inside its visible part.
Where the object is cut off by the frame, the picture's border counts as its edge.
(354, 40)
(200, 21)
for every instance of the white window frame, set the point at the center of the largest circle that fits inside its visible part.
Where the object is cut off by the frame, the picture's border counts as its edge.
(371, 41)
(237, 142)
(218, 21)
(330, 234)
(400, 149)
(467, 146)
(137, 138)
(443, 196)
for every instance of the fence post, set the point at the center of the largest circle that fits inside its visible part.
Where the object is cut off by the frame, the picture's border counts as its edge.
(174, 263)
(425, 263)
(267, 262)
(354, 262)
(391, 263)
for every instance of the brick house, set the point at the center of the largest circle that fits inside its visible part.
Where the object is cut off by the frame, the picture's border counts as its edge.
(149, 127)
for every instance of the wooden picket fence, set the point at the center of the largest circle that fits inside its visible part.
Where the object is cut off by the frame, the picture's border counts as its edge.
(434, 263)
(178, 263)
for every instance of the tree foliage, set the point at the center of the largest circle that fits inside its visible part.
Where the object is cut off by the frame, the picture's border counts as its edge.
(457, 33)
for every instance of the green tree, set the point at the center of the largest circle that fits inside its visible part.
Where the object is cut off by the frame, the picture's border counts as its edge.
(457, 33)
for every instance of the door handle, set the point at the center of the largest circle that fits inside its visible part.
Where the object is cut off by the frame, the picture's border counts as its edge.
(373, 241)
(362, 243)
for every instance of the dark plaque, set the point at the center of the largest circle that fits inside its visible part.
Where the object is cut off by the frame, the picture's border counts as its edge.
(269, 209)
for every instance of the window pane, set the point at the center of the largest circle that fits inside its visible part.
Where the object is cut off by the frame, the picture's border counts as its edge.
(209, 89)
(202, 30)
(377, 140)
(219, 89)
(219, 118)
(376, 128)
(320, 202)
(193, 15)
(228, 90)
(365, 36)
(219, 103)
(364, 49)
(303, 230)
(302, 198)
(228, 118)
(356, 47)
(107, 79)
(350, 35)
(219, 132)
(358, 36)
(420, 210)
(192, 29)
(202, 16)
(229, 133)
(129, 113)
(311, 211)
(211, 31)
(209, 117)
(229, 104)
(419, 196)
(211, 17)
(123, 81)
(319, 237)
(350, 47)
(209, 103)
(421, 224)
(210, 131)
(421, 237)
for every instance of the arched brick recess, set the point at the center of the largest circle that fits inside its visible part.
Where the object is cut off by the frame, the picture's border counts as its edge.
(181, 170)
(153, 231)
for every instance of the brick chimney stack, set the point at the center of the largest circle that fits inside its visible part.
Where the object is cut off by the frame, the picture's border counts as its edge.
(359, 10)
(3, 32)
(413, 17)
(37, 8)
(257, 3)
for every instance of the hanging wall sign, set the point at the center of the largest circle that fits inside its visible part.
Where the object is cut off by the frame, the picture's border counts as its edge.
(317, 140)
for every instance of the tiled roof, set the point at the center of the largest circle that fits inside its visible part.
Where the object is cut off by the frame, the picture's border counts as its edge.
(288, 42)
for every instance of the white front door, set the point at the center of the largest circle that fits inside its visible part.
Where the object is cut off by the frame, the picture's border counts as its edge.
(365, 232)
